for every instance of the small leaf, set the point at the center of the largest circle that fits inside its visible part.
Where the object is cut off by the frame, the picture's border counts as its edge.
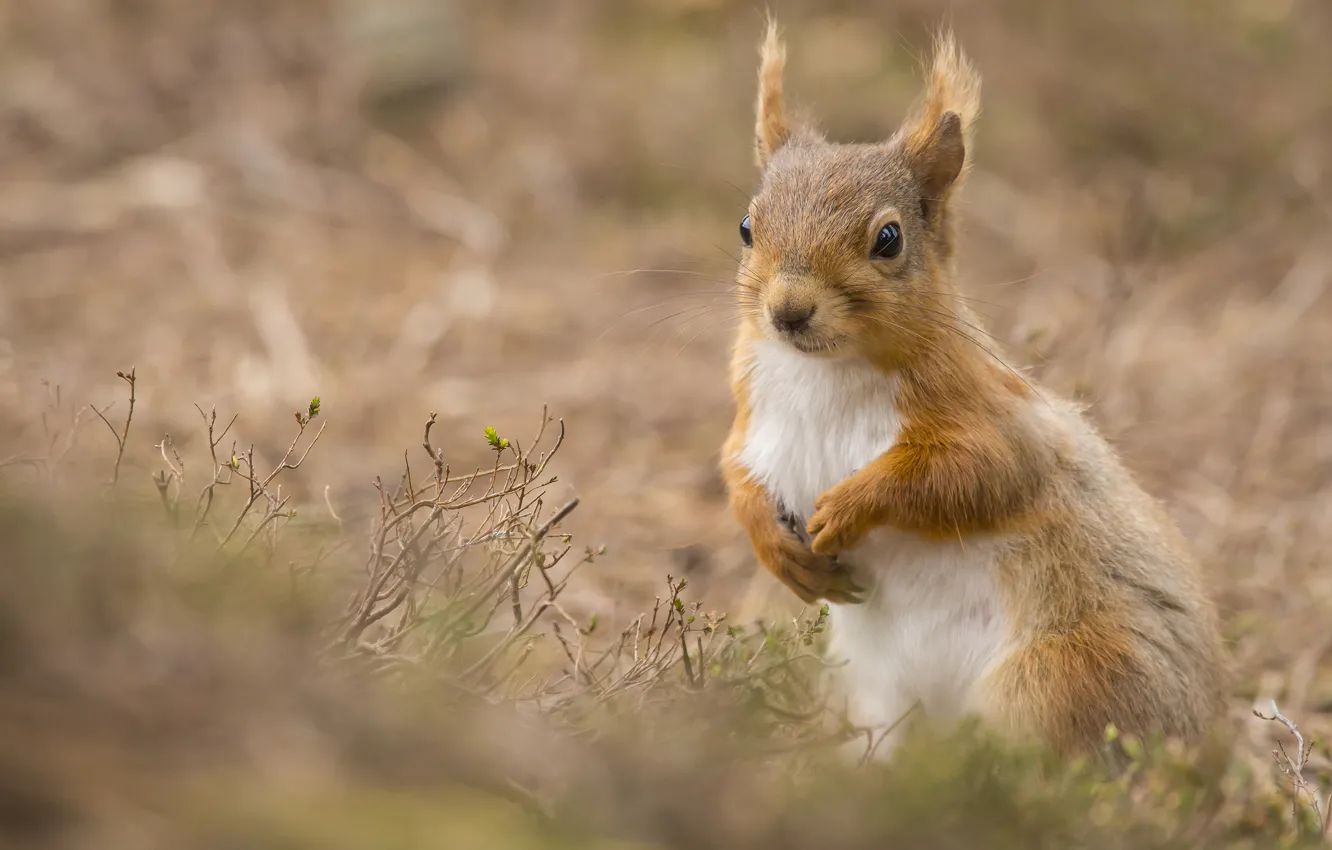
(1132, 748)
(496, 442)
(314, 407)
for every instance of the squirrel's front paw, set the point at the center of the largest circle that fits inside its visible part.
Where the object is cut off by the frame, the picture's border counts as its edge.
(840, 521)
(809, 575)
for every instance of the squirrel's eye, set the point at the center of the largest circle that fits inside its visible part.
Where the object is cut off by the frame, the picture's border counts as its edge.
(888, 244)
(745, 233)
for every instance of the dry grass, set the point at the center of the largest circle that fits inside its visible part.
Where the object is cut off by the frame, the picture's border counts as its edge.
(219, 672)
(252, 204)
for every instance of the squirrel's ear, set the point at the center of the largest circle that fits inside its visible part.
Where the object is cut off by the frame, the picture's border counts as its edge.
(771, 130)
(939, 159)
(937, 135)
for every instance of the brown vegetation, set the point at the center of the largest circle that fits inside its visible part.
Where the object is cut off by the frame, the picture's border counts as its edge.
(251, 204)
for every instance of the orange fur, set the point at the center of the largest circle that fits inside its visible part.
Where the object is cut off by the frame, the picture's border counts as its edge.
(959, 465)
(1071, 685)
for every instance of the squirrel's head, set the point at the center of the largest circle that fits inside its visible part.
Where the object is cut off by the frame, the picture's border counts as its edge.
(847, 247)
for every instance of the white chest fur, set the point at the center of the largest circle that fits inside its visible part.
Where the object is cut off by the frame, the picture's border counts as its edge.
(932, 625)
(814, 421)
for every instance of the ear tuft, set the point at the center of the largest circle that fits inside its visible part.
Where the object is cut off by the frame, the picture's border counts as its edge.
(937, 134)
(771, 130)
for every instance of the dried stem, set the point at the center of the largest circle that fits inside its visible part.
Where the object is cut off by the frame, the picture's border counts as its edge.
(1293, 769)
(122, 436)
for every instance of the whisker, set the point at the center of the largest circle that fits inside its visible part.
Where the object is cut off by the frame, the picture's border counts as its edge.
(698, 173)
(700, 333)
(685, 272)
(753, 279)
(1031, 276)
(683, 328)
(728, 255)
(744, 271)
(702, 309)
(968, 298)
(936, 311)
(949, 314)
(968, 338)
(924, 340)
(930, 315)
(695, 293)
(625, 315)
(699, 258)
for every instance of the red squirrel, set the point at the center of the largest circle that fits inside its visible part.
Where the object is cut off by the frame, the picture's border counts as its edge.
(983, 549)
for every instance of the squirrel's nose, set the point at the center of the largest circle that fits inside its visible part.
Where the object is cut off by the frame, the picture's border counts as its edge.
(792, 318)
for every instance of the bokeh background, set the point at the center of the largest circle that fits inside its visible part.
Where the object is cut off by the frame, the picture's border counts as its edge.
(481, 208)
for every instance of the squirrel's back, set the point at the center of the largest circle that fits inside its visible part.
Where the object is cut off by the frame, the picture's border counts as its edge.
(1108, 600)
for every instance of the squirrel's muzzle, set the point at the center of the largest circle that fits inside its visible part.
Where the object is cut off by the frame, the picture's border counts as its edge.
(792, 318)
(792, 303)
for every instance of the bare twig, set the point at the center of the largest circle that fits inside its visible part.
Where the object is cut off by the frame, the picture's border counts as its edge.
(204, 504)
(122, 436)
(1293, 768)
(259, 487)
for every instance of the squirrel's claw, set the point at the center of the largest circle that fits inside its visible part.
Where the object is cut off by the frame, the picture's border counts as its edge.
(811, 576)
(835, 527)
(829, 534)
(833, 585)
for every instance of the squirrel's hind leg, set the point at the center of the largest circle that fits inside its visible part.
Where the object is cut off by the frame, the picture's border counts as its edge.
(1065, 688)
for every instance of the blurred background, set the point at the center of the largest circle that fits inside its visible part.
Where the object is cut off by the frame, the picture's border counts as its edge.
(482, 208)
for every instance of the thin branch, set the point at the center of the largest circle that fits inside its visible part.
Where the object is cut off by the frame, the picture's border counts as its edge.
(122, 437)
(1293, 768)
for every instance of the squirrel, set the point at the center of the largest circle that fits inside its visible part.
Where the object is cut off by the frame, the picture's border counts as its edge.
(983, 550)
